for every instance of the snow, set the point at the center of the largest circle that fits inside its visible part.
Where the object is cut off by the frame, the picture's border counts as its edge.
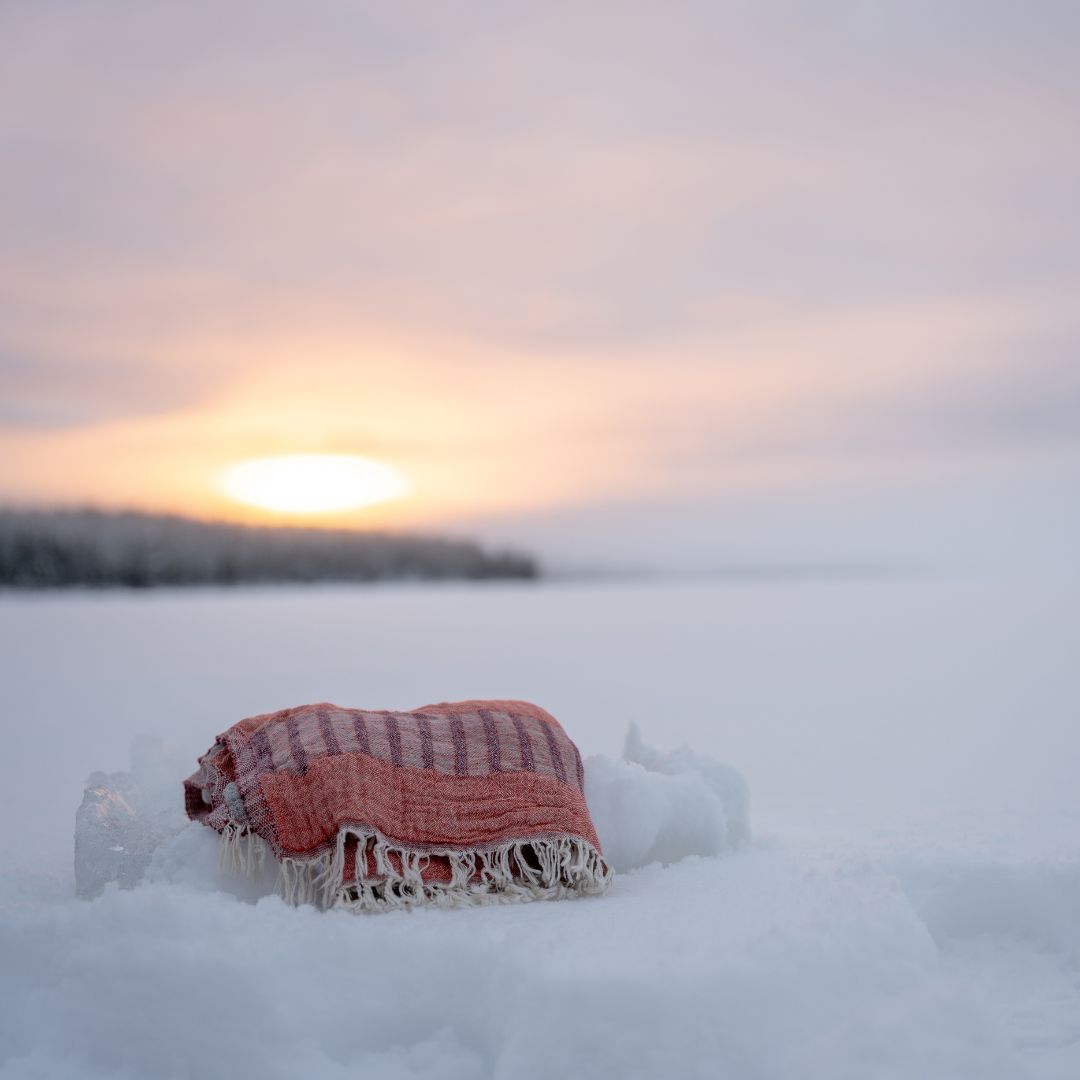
(901, 899)
(653, 807)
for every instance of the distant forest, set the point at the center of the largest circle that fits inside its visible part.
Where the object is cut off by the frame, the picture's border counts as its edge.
(56, 548)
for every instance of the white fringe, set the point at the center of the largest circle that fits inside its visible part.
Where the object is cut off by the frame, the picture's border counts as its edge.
(241, 851)
(521, 870)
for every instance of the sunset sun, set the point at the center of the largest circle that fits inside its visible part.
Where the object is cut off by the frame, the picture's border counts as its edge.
(312, 483)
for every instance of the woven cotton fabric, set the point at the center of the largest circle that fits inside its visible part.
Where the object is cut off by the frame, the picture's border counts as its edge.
(455, 803)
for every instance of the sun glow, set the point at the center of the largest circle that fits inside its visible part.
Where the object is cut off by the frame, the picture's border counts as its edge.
(312, 483)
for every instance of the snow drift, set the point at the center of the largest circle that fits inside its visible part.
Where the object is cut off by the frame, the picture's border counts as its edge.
(771, 960)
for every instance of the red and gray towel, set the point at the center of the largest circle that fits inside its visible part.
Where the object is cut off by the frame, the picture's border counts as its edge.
(452, 804)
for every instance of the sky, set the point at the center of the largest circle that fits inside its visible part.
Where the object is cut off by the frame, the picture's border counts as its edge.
(692, 284)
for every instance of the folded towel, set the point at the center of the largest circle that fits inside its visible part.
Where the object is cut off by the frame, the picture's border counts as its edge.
(452, 804)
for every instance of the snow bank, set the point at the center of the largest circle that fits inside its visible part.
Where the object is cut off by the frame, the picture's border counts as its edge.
(767, 963)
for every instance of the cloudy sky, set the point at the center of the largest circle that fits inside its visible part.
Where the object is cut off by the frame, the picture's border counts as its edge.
(687, 282)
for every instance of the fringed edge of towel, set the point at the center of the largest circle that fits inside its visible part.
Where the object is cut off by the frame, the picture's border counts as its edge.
(545, 868)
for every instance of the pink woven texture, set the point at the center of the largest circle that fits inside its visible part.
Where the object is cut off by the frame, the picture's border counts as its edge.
(464, 777)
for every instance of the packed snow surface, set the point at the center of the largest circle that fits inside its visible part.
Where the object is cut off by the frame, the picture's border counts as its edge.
(884, 881)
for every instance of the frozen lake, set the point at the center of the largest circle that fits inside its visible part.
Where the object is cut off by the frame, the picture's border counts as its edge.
(910, 902)
(942, 712)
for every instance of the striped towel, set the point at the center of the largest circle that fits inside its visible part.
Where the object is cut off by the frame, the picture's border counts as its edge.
(451, 804)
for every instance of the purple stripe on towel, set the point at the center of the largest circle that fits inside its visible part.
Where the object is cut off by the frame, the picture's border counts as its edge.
(426, 747)
(393, 735)
(362, 738)
(328, 734)
(528, 762)
(461, 756)
(553, 749)
(264, 758)
(492, 737)
(296, 748)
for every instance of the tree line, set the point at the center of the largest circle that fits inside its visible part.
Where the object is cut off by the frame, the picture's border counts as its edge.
(89, 547)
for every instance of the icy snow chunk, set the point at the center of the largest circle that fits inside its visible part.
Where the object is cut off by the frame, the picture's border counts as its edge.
(110, 844)
(644, 817)
(725, 782)
(662, 807)
(124, 817)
